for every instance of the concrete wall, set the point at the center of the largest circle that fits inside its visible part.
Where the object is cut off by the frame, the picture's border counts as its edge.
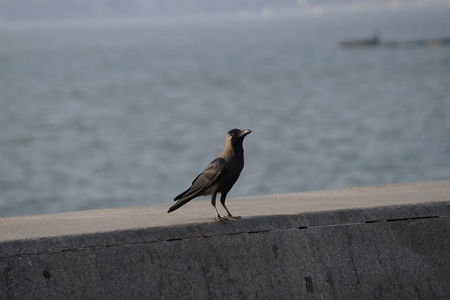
(387, 242)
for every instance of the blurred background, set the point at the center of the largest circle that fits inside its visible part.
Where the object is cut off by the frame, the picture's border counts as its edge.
(122, 103)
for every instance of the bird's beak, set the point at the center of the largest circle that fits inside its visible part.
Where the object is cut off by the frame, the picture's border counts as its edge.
(244, 132)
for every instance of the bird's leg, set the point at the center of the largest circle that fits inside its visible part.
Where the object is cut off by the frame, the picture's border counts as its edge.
(222, 201)
(213, 202)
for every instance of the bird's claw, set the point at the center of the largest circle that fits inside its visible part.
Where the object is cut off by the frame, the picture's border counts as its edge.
(219, 218)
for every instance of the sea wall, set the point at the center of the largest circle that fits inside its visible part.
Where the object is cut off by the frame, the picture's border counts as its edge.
(383, 242)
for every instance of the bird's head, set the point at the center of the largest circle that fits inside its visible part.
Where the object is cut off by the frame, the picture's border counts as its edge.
(236, 136)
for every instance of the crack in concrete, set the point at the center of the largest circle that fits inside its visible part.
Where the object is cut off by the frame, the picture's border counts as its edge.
(217, 235)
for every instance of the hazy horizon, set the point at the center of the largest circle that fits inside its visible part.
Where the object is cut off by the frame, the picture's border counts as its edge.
(30, 11)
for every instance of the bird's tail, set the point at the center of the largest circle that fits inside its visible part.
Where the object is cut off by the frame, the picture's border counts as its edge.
(181, 195)
(179, 204)
(185, 197)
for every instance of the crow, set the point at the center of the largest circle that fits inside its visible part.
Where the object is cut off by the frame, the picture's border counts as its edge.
(219, 176)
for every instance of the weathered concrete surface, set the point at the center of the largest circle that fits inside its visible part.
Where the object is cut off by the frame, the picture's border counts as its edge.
(384, 242)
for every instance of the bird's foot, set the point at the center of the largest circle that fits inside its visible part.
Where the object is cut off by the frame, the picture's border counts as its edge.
(219, 218)
(230, 217)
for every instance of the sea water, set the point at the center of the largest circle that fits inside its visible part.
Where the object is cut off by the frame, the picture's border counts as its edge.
(113, 114)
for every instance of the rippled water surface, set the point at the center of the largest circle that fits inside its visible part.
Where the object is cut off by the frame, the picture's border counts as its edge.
(124, 114)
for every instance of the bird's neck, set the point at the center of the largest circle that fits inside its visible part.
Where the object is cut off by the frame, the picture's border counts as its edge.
(232, 151)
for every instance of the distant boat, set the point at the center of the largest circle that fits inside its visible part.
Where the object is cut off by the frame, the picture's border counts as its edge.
(375, 41)
(436, 42)
(370, 42)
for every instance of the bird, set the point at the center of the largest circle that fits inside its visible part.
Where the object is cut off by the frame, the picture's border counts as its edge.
(219, 176)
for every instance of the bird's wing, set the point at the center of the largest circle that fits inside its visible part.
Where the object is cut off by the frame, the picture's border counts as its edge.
(205, 180)
(214, 169)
